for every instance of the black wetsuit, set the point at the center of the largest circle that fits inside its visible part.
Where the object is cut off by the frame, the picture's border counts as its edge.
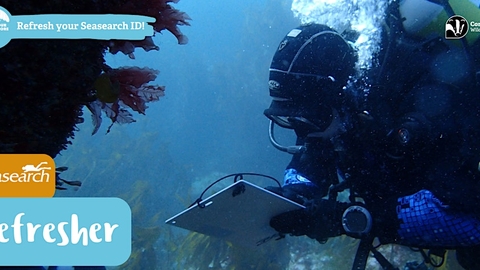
(416, 152)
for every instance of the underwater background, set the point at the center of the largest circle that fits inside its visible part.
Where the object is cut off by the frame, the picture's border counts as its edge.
(209, 123)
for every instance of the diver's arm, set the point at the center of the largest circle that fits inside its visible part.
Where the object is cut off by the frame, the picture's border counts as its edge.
(416, 220)
(422, 220)
(311, 168)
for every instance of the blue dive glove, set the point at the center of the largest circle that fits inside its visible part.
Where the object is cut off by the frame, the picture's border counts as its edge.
(297, 188)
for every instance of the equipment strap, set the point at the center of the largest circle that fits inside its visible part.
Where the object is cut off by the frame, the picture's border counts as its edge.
(361, 256)
(363, 251)
(386, 265)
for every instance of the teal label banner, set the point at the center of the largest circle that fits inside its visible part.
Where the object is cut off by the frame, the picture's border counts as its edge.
(74, 26)
(64, 231)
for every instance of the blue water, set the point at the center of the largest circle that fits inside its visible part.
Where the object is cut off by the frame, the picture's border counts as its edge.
(210, 121)
(212, 114)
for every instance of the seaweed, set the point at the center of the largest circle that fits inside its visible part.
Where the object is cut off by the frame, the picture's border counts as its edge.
(46, 83)
(144, 233)
(202, 252)
(143, 255)
(120, 88)
(59, 181)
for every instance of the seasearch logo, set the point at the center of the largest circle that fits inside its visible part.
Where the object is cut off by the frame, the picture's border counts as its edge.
(4, 16)
(30, 173)
(4, 19)
(38, 168)
(456, 27)
(27, 175)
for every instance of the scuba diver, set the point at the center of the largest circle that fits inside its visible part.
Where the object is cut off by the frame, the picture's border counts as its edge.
(402, 137)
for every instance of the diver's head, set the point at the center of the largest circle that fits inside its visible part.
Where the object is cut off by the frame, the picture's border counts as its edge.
(308, 74)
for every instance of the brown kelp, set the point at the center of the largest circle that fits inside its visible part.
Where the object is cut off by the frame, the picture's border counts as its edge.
(145, 232)
(198, 251)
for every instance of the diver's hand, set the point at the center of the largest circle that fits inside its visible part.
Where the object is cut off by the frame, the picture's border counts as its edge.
(320, 220)
(287, 193)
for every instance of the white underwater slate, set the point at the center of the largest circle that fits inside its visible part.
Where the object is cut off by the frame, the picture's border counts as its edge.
(240, 213)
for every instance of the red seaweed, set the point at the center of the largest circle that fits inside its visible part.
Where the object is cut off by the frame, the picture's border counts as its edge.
(133, 91)
(46, 83)
(167, 18)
